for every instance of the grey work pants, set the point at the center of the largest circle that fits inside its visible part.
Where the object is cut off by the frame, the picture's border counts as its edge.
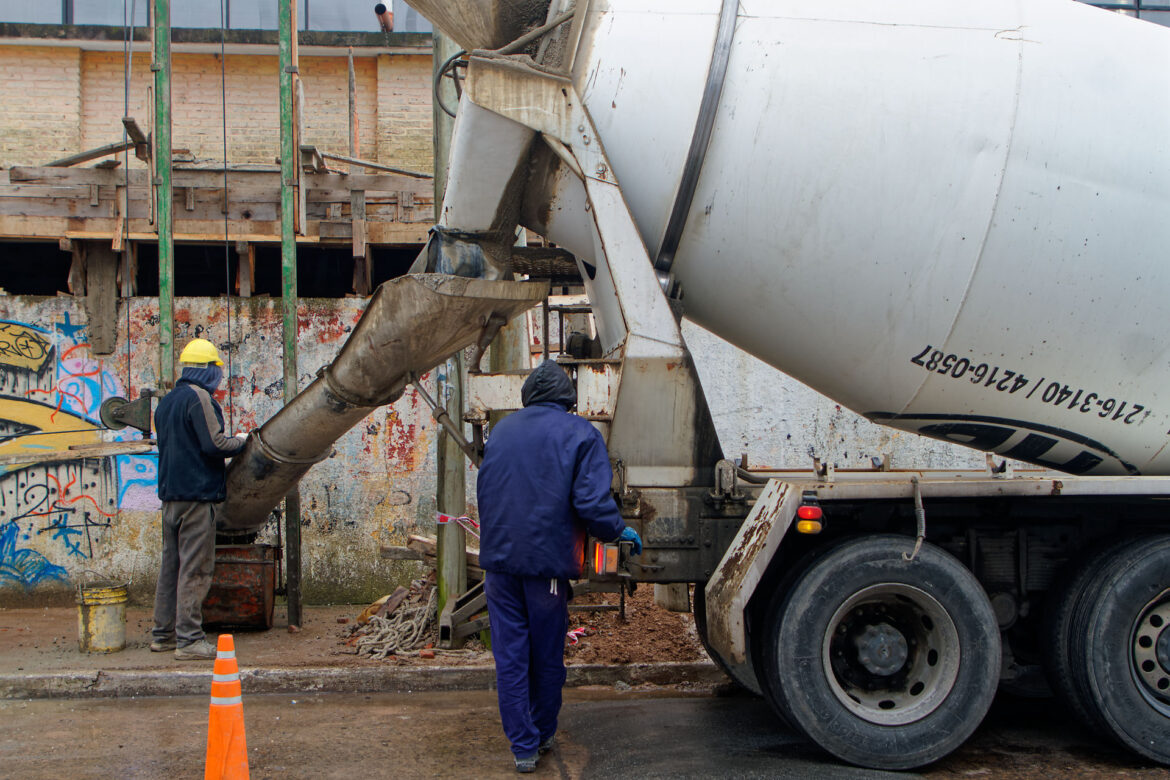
(184, 576)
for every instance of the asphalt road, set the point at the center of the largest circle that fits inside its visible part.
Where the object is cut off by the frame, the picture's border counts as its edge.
(604, 734)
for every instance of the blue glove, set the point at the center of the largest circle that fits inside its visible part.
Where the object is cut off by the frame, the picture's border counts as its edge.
(630, 535)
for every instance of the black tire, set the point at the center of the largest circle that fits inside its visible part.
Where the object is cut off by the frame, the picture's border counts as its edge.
(1065, 603)
(1119, 647)
(884, 663)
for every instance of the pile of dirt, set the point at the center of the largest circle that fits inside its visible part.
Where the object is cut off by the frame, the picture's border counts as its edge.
(648, 634)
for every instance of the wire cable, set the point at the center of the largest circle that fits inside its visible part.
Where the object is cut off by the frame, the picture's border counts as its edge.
(227, 263)
(127, 250)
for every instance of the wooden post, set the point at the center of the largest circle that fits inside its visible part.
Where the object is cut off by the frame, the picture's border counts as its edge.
(451, 490)
(245, 269)
(123, 203)
(101, 299)
(354, 151)
(128, 273)
(76, 280)
(361, 260)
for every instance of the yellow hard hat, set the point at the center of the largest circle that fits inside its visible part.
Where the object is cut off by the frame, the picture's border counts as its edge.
(200, 351)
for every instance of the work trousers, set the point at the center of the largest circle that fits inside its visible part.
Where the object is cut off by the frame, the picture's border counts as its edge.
(184, 575)
(529, 617)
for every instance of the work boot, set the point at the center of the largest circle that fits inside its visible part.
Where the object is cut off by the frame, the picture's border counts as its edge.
(196, 651)
(163, 645)
(526, 764)
(547, 745)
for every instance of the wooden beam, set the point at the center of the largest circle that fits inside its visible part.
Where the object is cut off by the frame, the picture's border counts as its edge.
(376, 166)
(353, 116)
(133, 130)
(405, 206)
(268, 181)
(245, 269)
(89, 451)
(361, 265)
(120, 220)
(311, 160)
(141, 142)
(91, 154)
(76, 280)
(101, 299)
(128, 271)
(378, 233)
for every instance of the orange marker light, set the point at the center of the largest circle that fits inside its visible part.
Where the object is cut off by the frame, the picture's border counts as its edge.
(605, 558)
(808, 526)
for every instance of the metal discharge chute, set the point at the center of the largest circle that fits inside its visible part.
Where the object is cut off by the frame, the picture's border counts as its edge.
(410, 325)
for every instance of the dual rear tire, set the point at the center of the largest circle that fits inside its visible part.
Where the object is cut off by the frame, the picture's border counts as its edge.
(1108, 636)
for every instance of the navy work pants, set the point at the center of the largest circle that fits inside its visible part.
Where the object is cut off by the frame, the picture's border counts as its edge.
(529, 617)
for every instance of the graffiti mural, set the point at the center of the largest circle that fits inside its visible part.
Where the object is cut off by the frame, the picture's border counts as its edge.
(53, 510)
(61, 517)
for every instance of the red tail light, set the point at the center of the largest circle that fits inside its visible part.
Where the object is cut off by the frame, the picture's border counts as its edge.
(809, 512)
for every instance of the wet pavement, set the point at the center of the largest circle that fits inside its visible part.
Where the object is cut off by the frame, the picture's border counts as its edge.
(604, 733)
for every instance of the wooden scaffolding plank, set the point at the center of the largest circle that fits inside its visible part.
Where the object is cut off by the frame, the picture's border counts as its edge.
(91, 154)
(101, 297)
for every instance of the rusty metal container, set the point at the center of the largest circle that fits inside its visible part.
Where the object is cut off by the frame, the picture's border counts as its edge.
(101, 617)
(243, 587)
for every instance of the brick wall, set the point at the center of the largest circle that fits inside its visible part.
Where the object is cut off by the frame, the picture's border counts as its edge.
(404, 111)
(40, 104)
(326, 82)
(103, 97)
(59, 101)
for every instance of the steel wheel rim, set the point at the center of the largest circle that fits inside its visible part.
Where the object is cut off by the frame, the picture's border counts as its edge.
(1150, 652)
(862, 646)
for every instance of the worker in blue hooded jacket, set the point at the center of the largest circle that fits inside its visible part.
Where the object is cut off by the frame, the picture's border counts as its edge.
(192, 448)
(544, 482)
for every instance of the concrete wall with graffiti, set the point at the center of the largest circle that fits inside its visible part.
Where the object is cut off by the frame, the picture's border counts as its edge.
(65, 518)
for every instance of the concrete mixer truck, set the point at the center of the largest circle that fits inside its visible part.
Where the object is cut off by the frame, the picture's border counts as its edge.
(947, 217)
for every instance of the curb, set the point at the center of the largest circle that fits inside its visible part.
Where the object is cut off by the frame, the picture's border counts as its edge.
(396, 679)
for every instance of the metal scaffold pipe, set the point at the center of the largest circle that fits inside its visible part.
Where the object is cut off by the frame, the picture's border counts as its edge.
(164, 198)
(288, 286)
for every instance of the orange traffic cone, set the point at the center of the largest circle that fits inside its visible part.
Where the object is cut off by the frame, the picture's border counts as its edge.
(227, 749)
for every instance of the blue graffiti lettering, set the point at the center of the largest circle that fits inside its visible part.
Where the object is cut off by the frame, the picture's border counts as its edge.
(24, 567)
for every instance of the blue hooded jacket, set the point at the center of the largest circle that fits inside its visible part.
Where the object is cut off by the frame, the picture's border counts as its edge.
(192, 446)
(544, 481)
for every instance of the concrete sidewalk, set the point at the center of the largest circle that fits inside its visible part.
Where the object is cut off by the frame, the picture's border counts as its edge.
(39, 658)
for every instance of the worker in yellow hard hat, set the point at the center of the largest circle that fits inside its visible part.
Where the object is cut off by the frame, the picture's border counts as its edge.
(192, 448)
(199, 352)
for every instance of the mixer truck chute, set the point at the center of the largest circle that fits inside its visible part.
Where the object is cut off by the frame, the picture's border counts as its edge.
(915, 208)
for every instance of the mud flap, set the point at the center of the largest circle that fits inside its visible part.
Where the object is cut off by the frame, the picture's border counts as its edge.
(739, 572)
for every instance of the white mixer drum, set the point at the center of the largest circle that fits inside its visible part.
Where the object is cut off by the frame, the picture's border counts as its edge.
(949, 217)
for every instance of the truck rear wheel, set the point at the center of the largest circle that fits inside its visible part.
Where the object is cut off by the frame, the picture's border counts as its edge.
(1066, 605)
(883, 662)
(1119, 646)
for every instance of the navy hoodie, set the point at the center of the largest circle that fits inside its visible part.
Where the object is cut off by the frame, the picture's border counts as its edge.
(192, 446)
(544, 481)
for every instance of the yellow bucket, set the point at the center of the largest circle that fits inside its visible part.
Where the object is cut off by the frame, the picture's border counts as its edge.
(101, 617)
